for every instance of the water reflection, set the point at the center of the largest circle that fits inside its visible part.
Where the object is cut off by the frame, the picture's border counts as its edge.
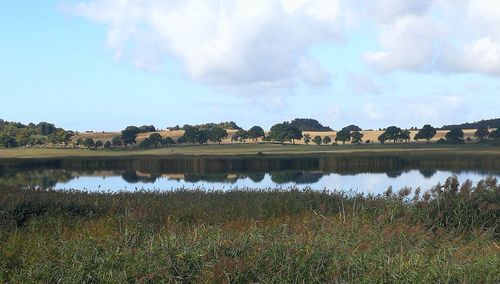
(339, 172)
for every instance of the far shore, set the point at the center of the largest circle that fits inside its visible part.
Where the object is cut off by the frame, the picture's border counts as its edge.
(236, 150)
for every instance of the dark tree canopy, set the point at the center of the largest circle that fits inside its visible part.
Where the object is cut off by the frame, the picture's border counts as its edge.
(256, 132)
(240, 135)
(327, 140)
(481, 133)
(343, 135)
(307, 138)
(426, 133)
(357, 137)
(455, 136)
(129, 135)
(308, 124)
(317, 140)
(488, 123)
(282, 132)
(352, 127)
(217, 134)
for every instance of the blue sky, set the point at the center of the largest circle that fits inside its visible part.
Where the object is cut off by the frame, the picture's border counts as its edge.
(106, 64)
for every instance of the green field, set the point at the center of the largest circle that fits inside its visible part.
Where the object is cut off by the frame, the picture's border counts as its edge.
(251, 236)
(254, 149)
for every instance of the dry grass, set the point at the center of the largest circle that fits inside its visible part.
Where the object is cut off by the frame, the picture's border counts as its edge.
(176, 134)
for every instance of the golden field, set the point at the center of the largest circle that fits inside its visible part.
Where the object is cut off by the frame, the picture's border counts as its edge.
(371, 135)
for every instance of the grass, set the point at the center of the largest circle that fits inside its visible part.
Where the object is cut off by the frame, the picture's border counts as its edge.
(448, 235)
(253, 149)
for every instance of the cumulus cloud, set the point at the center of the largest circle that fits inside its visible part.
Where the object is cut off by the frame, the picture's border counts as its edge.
(362, 84)
(262, 46)
(221, 43)
(446, 36)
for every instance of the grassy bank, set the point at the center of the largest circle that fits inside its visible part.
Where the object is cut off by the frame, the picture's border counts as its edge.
(449, 235)
(254, 149)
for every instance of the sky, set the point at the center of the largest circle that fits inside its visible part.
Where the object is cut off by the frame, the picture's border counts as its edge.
(105, 64)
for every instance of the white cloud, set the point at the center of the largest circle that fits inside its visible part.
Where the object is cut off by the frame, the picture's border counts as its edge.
(240, 43)
(362, 84)
(408, 43)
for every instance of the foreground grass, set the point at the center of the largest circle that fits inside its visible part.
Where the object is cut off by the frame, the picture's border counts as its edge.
(253, 149)
(449, 235)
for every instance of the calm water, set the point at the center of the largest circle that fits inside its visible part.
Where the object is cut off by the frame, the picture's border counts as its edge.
(373, 174)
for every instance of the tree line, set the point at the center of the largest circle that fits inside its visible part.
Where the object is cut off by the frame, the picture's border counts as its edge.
(14, 134)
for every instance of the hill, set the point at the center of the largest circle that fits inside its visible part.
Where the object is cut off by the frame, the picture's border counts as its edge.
(491, 123)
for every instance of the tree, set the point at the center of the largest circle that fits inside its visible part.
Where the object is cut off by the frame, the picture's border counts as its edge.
(190, 134)
(22, 137)
(155, 139)
(88, 142)
(317, 140)
(308, 124)
(343, 135)
(240, 135)
(352, 127)
(495, 134)
(481, 133)
(167, 141)
(307, 138)
(427, 132)
(217, 134)
(282, 132)
(146, 143)
(128, 136)
(7, 141)
(98, 144)
(356, 137)
(107, 145)
(116, 141)
(203, 136)
(327, 140)
(455, 136)
(382, 138)
(393, 133)
(147, 128)
(404, 135)
(256, 132)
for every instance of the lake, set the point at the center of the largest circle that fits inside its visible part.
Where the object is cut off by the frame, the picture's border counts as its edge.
(368, 173)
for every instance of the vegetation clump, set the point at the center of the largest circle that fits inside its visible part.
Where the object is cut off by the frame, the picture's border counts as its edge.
(447, 234)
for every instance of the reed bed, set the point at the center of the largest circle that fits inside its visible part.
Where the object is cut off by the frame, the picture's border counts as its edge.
(447, 235)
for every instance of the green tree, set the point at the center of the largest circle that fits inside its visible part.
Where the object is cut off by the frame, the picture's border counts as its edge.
(107, 145)
(7, 141)
(307, 138)
(317, 140)
(393, 133)
(343, 135)
(282, 132)
(116, 141)
(190, 134)
(128, 136)
(404, 135)
(88, 142)
(382, 138)
(155, 139)
(256, 132)
(495, 134)
(167, 141)
(203, 136)
(98, 144)
(481, 133)
(455, 136)
(217, 134)
(240, 135)
(427, 132)
(327, 140)
(22, 137)
(357, 137)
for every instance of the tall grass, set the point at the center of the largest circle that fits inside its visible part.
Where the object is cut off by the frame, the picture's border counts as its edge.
(449, 234)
